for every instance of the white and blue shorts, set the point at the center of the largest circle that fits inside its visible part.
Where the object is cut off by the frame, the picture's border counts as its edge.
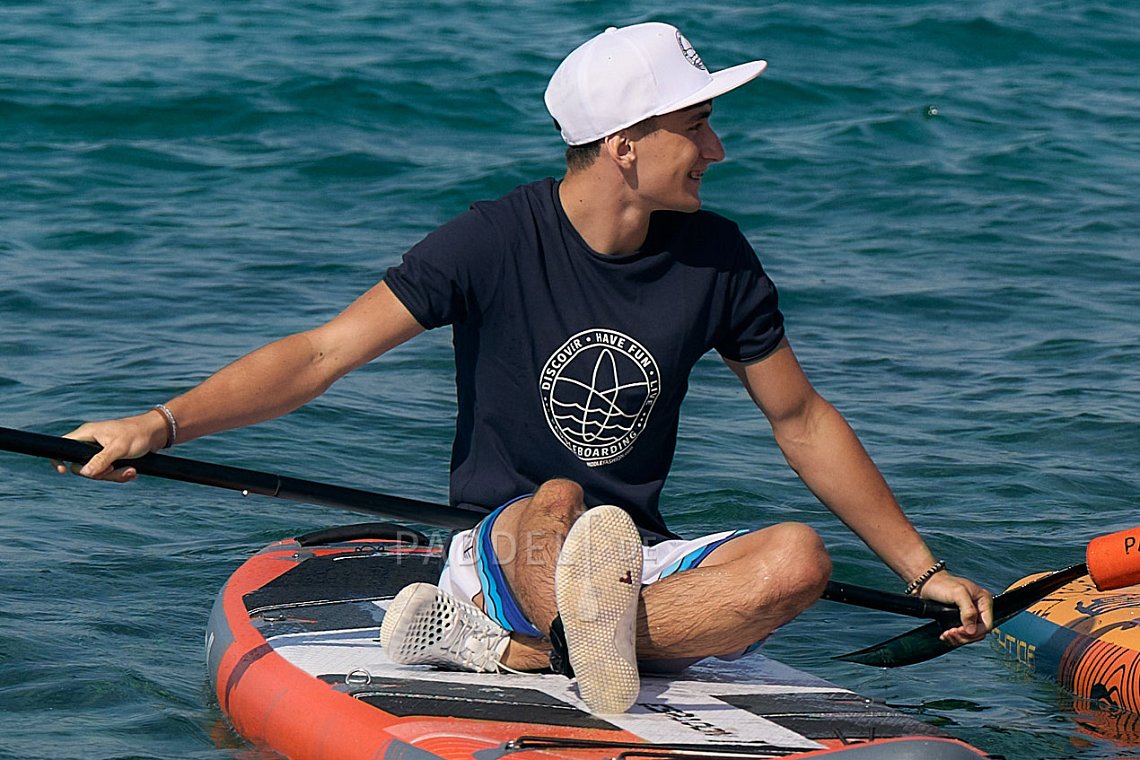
(473, 568)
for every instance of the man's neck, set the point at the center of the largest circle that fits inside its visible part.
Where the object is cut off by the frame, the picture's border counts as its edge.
(609, 221)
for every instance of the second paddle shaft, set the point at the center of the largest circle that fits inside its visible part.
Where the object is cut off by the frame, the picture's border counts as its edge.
(900, 604)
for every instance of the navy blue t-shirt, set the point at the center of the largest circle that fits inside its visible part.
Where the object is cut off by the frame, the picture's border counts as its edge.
(574, 364)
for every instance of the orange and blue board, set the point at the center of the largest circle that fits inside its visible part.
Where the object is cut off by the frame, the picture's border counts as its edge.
(1086, 639)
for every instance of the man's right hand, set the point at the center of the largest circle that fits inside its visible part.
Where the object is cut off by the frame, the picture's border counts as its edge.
(124, 438)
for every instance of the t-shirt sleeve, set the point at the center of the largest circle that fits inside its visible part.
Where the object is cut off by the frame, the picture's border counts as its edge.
(439, 277)
(753, 325)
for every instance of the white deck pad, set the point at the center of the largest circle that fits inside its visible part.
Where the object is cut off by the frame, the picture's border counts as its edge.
(668, 710)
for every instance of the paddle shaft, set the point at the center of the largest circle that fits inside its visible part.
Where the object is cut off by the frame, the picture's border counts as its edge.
(398, 507)
(947, 615)
(247, 481)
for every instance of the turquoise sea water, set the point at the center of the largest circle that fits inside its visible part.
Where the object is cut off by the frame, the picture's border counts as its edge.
(946, 194)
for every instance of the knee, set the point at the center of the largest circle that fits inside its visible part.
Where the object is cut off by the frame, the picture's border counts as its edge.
(793, 559)
(803, 553)
(560, 498)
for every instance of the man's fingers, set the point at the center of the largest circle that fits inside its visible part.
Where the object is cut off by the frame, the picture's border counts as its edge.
(124, 474)
(986, 605)
(970, 617)
(96, 467)
(975, 607)
(975, 625)
(959, 636)
(120, 475)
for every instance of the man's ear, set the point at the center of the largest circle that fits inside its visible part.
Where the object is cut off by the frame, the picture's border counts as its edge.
(620, 149)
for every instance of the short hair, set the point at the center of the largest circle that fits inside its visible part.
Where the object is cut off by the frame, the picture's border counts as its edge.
(579, 157)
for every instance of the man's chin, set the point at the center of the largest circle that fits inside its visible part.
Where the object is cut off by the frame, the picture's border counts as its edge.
(686, 205)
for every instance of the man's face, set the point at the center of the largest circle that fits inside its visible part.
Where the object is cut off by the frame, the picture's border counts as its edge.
(672, 159)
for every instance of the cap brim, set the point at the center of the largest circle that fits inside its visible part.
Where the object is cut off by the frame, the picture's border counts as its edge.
(723, 81)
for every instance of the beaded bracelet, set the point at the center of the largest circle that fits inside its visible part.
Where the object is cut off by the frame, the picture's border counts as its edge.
(171, 424)
(916, 585)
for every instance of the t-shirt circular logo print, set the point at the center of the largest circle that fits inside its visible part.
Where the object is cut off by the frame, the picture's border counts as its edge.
(598, 389)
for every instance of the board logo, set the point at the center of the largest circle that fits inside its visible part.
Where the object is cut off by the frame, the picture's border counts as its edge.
(689, 52)
(597, 390)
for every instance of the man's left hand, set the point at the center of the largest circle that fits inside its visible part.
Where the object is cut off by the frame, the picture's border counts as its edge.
(973, 601)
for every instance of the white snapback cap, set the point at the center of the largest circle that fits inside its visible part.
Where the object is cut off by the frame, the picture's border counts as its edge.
(625, 75)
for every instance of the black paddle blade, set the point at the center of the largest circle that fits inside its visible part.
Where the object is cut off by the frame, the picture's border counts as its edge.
(923, 644)
(918, 645)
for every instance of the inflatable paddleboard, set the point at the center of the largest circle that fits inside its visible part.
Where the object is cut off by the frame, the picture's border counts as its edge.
(294, 657)
(1085, 639)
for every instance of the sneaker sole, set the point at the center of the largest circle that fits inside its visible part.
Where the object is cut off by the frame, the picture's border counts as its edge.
(414, 595)
(597, 585)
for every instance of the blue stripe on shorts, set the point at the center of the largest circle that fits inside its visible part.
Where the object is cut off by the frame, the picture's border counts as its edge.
(696, 557)
(498, 602)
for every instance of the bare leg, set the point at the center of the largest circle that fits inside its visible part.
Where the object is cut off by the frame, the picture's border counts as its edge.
(745, 590)
(528, 537)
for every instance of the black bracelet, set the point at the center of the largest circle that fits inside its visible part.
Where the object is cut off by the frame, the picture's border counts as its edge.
(916, 585)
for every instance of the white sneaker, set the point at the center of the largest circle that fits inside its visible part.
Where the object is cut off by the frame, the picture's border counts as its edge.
(597, 585)
(427, 626)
